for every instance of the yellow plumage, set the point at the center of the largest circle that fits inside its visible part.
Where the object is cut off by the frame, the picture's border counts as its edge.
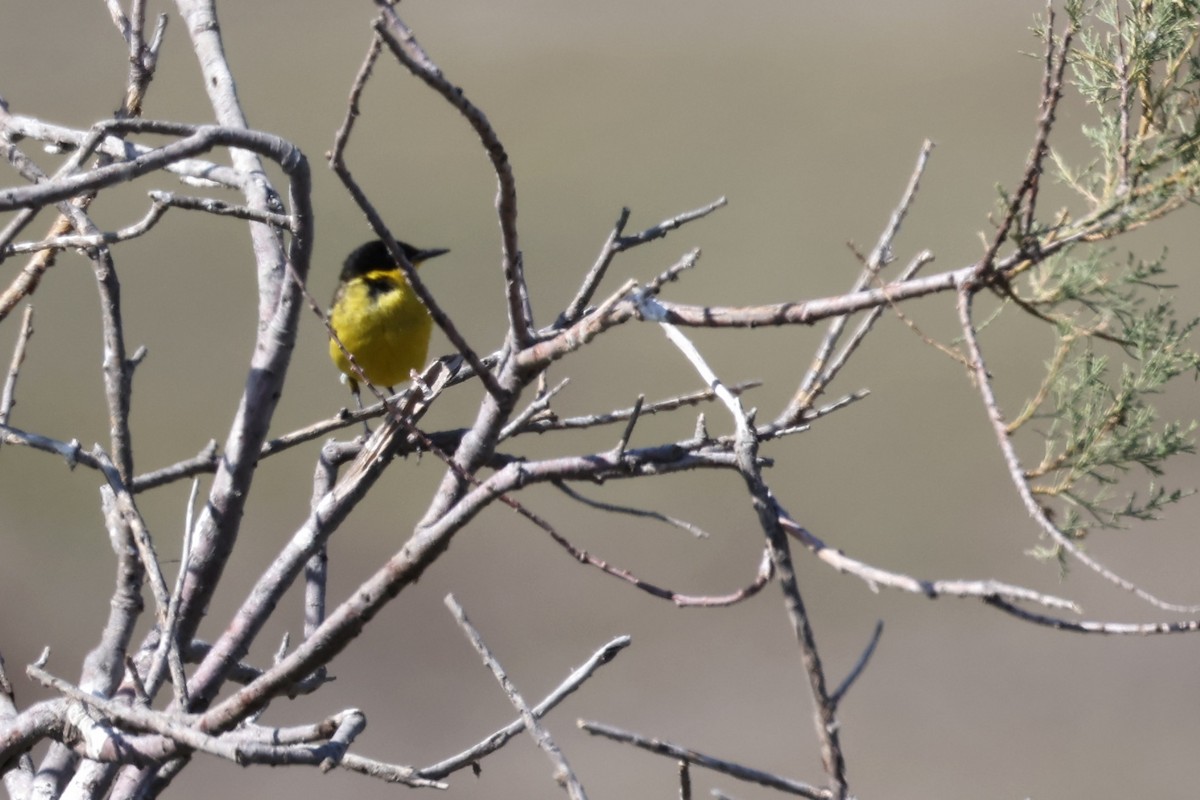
(378, 318)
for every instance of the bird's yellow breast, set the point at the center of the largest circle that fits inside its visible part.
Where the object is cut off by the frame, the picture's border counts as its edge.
(385, 327)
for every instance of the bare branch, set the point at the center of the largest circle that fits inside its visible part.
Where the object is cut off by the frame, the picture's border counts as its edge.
(680, 753)
(101, 741)
(540, 425)
(98, 239)
(211, 205)
(8, 397)
(190, 170)
(1105, 628)
(765, 573)
(535, 409)
(820, 374)
(591, 281)
(616, 243)
(498, 739)
(682, 524)
(168, 652)
(195, 139)
(876, 577)
(391, 773)
(563, 774)
(400, 40)
(840, 692)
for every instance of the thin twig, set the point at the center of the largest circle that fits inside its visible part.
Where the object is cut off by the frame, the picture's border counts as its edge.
(839, 693)
(623, 443)
(876, 577)
(498, 739)
(539, 405)
(591, 281)
(167, 654)
(139, 228)
(8, 397)
(131, 516)
(342, 137)
(680, 753)
(830, 368)
(1026, 194)
(391, 773)
(644, 513)
(539, 425)
(667, 225)
(616, 243)
(765, 573)
(881, 256)
(818, 375)
(204, 461)
(221, 208)
(1105, 628)
(141, 696)
(563, 774)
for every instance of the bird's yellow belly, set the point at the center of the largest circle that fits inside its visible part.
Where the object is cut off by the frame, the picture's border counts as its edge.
(387, 333)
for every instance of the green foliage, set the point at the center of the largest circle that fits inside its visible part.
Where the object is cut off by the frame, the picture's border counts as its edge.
(1119, 342)
(1136, 65)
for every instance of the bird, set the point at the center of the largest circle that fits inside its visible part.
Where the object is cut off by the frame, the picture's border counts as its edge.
(378, 318)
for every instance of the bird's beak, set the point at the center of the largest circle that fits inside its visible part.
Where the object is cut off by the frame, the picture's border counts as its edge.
(425, 255)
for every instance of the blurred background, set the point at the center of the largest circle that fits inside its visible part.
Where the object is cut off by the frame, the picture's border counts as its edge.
(809, 118)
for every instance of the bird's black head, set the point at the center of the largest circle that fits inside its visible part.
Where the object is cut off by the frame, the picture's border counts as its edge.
(374, 256)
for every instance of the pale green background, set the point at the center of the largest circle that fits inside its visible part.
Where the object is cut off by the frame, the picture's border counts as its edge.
(809, 117)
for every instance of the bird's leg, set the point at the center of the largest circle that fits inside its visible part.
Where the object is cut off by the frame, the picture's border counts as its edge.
(359, 404)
